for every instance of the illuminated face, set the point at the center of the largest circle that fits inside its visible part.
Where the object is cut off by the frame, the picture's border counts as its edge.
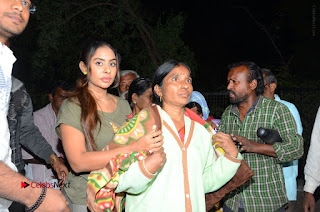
(177, 87)
(125, 82)
(238, 85)
(14, 17)
(103, 68)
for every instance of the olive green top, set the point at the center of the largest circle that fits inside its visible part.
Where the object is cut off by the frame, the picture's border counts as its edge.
(70, 114)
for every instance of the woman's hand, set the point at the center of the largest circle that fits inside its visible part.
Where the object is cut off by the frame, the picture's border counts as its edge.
(155, 161)
(226, 143)
(151, 141)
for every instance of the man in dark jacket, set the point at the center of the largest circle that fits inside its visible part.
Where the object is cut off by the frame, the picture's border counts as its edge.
(23, 132)
(14, 16)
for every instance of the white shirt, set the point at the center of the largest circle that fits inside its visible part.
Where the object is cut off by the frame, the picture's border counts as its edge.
(6, 62)
(45, 119)
(312, 167)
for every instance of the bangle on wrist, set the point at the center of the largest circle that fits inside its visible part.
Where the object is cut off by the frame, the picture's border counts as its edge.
(233, 156)
(39, 200)
(147, 169)
(53, 160)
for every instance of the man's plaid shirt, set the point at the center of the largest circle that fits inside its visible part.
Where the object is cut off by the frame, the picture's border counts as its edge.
(265, 191)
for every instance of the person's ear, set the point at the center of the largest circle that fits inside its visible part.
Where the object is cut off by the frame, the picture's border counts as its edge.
(253, 84)
(134, 98)
(83, 68)
(158, 90)
(273, 87)
(50, 97)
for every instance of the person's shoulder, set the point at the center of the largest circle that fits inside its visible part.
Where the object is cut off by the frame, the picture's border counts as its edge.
(121, 102)
(70, 102)
(42, 111)
(18, 89)
(290, 105)
(267, 102)
(228, 108)
(16, 84)
(200, 127)
(275, 106)
(119, 99)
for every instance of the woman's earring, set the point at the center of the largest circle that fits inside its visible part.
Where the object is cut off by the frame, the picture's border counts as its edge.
(134, 102)
(160, 99)
(85, 73)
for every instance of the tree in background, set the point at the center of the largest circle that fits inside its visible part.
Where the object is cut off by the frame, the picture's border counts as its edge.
(59, 28)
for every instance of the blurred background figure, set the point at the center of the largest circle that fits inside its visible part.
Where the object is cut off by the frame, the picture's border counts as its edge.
(312, 170)
(290, 168)
(45, 119)
(197, 97)
(140, 94)
(195, 107)
(126, 78)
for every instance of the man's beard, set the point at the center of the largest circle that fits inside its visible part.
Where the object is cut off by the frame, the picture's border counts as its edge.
(124, 95)
(236, 100)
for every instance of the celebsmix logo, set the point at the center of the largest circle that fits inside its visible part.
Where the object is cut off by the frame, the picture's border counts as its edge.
(41, 185)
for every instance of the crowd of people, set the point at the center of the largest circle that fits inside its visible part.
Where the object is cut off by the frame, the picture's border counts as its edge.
(151, 148)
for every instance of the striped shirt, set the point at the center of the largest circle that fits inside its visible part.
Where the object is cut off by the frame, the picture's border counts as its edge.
(265, 191)
(6, 62)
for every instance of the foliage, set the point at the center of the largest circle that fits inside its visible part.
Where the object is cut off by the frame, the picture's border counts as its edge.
(59, 28)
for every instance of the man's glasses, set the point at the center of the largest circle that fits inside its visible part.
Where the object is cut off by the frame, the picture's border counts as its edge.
(29, 5)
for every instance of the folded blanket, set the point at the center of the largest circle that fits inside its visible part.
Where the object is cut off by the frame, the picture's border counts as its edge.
(102, 183)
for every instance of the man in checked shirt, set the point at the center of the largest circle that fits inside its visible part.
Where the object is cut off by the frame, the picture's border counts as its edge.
(249, 110)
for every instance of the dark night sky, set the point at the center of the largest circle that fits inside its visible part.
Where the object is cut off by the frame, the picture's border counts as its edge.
(219, 34)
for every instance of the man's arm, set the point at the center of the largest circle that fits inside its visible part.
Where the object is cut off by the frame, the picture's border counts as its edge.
(32, 139)
(10, 188)
(291, 147)
(254, 147)
(245, 144)
(30, 136)
(312, 167)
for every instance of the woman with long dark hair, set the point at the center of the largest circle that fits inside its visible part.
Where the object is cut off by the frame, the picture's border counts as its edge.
(89, 118)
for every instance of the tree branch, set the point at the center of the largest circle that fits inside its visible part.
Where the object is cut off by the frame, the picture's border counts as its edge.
(263, 28)
(87, 8)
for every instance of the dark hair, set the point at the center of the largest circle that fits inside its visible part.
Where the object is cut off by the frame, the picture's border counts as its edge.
(269, 77)
(64, 85)
(194, 104)
(138, 86)
(254, 74)
(162, 71)
(89, 113)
